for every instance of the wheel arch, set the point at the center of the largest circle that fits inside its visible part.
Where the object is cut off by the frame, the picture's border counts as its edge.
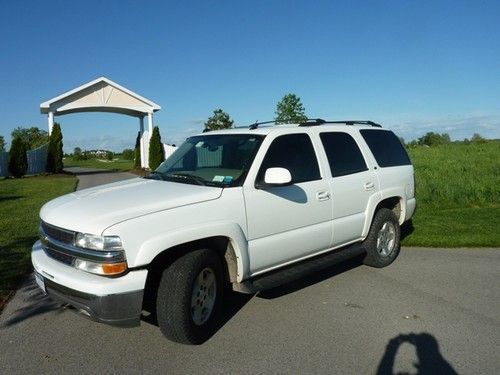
(394, 203)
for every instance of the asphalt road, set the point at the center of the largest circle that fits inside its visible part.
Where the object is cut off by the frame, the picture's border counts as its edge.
(432, 311)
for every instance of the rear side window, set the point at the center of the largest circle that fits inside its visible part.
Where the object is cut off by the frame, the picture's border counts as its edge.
(294, 152)
(344, 155)
(386, 147)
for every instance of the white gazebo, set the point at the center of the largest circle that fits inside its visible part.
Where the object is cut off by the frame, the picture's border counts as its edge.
(104, 95)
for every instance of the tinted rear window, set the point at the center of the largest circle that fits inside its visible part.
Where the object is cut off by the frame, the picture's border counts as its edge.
(343, 154)
(386, 147)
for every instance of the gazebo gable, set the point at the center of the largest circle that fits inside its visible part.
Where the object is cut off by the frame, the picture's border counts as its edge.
(104, 95)
(101, 94)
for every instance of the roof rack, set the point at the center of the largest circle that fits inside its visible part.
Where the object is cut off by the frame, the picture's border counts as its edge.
(256, 124)
(319, 121)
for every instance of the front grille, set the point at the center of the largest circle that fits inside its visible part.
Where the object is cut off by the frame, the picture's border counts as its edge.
(59, 234)
(61, 257)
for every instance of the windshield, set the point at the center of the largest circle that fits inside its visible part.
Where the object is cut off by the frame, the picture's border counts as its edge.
(211, 160)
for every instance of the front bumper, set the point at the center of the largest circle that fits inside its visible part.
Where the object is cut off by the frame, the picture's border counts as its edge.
(115, 301)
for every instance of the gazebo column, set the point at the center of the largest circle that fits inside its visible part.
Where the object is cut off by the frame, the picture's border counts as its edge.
(51, 122)
(150, 130)
(141, 143)
(150, 124)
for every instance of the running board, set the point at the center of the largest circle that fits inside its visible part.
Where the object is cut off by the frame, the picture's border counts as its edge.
(300, 269)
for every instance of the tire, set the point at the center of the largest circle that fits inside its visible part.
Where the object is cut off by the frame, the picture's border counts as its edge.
(383, 242)
(190, 297)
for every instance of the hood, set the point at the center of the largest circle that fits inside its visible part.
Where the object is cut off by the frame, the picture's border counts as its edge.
(93, 210)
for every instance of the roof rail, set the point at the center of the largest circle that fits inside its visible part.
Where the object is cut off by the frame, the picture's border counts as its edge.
(319, 121)
(256, 124)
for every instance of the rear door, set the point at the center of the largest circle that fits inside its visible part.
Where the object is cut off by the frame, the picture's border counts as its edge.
(352, 184)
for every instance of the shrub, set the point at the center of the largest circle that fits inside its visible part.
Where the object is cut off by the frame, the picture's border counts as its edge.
(137, 151)
(128, 154)
(156, 150)
(18, 161)
(55, 150)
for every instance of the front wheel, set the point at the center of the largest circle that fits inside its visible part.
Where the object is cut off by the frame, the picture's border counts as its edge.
(189, 297)
(382, 244)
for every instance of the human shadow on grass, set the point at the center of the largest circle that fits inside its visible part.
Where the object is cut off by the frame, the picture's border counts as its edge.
(430, 359)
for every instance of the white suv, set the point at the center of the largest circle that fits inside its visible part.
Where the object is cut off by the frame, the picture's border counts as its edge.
(247, 207)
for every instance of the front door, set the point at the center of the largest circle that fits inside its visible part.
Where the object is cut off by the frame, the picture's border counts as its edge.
(286, 223)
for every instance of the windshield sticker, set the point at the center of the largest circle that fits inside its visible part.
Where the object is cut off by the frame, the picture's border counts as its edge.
(227, 179)
(218, 178)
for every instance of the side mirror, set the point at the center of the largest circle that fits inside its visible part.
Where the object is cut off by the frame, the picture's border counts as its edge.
(277, 176)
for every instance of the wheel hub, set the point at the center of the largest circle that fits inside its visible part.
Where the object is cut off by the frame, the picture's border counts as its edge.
(203, 296)
(386, 239)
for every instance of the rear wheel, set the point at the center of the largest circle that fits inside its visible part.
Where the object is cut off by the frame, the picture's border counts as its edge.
(189, 297)
(382, 244)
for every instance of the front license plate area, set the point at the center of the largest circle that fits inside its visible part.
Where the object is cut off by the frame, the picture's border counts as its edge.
(39, 281)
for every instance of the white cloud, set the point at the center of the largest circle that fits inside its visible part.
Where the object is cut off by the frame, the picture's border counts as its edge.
(457, 127)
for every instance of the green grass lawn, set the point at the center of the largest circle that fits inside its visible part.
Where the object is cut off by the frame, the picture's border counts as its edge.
(20, 203)
(115, 164)
(458, 195)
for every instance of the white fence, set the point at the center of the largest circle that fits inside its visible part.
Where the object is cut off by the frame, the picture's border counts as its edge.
(169, 150)
(37, 161)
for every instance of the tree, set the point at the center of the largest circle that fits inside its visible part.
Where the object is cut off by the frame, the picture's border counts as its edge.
(156, 150)
(77, 153)
(32, 137)
(434, 139)
(477, 138)
(128, 154)
(219, 120)
(55, 150)
(2, 143)
(109, 155)
(290, 110)
(18, 160)
(137, 151)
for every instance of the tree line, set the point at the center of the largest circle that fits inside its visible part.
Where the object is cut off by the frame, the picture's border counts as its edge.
(288, 110)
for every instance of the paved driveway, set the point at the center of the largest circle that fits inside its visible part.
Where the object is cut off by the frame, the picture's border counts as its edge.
(432, 311)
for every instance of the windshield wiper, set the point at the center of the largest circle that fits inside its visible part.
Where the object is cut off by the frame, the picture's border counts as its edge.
(155, 175)
(187, 176)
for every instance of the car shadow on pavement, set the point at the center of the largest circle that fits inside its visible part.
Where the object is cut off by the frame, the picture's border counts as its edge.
(35, 302)
(312, 279)
(430, 359)
(233, 303)
(102, 171)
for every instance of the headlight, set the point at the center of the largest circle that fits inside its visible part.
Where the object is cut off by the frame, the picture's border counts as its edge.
(102, 243)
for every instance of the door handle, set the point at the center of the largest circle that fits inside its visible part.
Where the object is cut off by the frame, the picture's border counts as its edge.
(369, 185)
(322, 195)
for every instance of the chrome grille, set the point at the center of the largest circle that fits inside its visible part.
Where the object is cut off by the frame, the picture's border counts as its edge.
(58, 234)
(61, 257)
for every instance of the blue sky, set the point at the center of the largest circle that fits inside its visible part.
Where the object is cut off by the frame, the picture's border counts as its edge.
(414, 66)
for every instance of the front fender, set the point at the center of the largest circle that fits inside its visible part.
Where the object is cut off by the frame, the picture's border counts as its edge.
(157, 244)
